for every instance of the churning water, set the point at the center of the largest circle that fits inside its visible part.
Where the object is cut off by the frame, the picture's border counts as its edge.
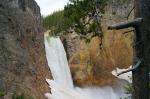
(62, 84)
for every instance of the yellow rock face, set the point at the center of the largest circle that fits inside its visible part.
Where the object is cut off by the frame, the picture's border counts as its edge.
(93, 62)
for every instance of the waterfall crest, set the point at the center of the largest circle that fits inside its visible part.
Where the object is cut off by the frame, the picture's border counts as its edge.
(62, 83)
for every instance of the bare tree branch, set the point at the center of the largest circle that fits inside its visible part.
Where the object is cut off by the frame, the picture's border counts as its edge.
(129, 31)
(130, 13)
(132, 69)
(122, 25)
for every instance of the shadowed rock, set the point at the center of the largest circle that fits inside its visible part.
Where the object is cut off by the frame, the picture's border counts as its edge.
(23, 66)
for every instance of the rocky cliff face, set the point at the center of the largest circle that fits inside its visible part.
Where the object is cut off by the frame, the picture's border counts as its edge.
(23, 66)
(92, 62)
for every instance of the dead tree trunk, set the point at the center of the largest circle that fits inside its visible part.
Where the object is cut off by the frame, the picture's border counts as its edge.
(142, 51)
(141, 59)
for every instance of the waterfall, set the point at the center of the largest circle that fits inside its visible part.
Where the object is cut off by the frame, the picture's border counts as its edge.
(57, 61)
(62, 83)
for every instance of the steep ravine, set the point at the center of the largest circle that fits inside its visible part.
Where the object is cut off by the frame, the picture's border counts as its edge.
(23, 65)
(92, 62)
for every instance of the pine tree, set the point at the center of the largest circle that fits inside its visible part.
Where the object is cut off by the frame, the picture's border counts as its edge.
(85, 15)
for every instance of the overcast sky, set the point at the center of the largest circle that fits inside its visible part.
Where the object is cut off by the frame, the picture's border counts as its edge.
(49, 6)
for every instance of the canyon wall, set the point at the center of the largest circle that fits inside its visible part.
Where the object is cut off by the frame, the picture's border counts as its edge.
(92, 62)
(23, 66)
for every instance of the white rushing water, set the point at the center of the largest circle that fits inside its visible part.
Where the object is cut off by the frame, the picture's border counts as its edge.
(62, 84)
(57, 61)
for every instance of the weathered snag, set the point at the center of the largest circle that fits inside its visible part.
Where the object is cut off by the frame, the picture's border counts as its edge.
(134, 23)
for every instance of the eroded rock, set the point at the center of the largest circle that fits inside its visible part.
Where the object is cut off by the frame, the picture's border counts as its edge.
(23, 66)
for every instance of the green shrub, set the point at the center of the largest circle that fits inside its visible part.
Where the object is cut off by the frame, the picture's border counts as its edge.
(22, 96)
(15, 96)
(128, 88)
(2, 93)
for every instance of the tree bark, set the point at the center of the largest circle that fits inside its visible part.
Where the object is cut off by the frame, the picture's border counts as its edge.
(142, 51)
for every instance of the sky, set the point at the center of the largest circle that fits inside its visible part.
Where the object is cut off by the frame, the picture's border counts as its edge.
(49, 6)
